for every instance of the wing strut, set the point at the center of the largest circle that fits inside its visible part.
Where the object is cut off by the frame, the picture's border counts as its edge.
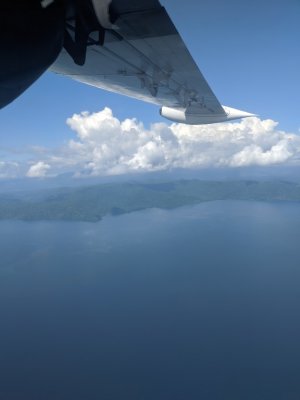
(77, 38)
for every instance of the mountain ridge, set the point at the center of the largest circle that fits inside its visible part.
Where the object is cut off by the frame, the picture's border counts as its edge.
(92, 203)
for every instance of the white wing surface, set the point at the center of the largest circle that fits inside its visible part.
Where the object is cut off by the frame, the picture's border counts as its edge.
(143, 56)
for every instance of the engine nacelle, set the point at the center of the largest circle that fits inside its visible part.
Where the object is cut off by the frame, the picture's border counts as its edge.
(33, 33)
(31, 37)
(181, 115)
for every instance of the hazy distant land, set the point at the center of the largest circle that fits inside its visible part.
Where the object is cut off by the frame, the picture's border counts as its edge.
(94, 202)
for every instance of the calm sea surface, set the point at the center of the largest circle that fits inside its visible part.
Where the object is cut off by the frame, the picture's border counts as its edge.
(198, 303)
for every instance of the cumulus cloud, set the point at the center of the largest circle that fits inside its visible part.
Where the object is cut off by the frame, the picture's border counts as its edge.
(38, 170)
(104, 145)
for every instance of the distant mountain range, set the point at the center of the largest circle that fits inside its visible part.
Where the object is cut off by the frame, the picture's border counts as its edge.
(91, 203)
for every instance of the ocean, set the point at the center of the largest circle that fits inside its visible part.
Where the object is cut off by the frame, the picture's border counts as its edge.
(195, 303)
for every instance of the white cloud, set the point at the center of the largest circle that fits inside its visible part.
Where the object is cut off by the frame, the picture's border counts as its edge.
(38, 170)
(105, 145)
(254, 155)
(8, 169)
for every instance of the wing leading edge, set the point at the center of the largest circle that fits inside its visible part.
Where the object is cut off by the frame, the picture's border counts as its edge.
(143, 56)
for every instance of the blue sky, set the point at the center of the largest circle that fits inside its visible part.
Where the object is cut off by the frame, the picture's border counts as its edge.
(247, 51)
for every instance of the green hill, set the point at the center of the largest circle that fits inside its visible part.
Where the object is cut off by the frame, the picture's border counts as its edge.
(94, 202)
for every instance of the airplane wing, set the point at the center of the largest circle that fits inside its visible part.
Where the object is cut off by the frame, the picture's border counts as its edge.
(143, 56)
(126, 46)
